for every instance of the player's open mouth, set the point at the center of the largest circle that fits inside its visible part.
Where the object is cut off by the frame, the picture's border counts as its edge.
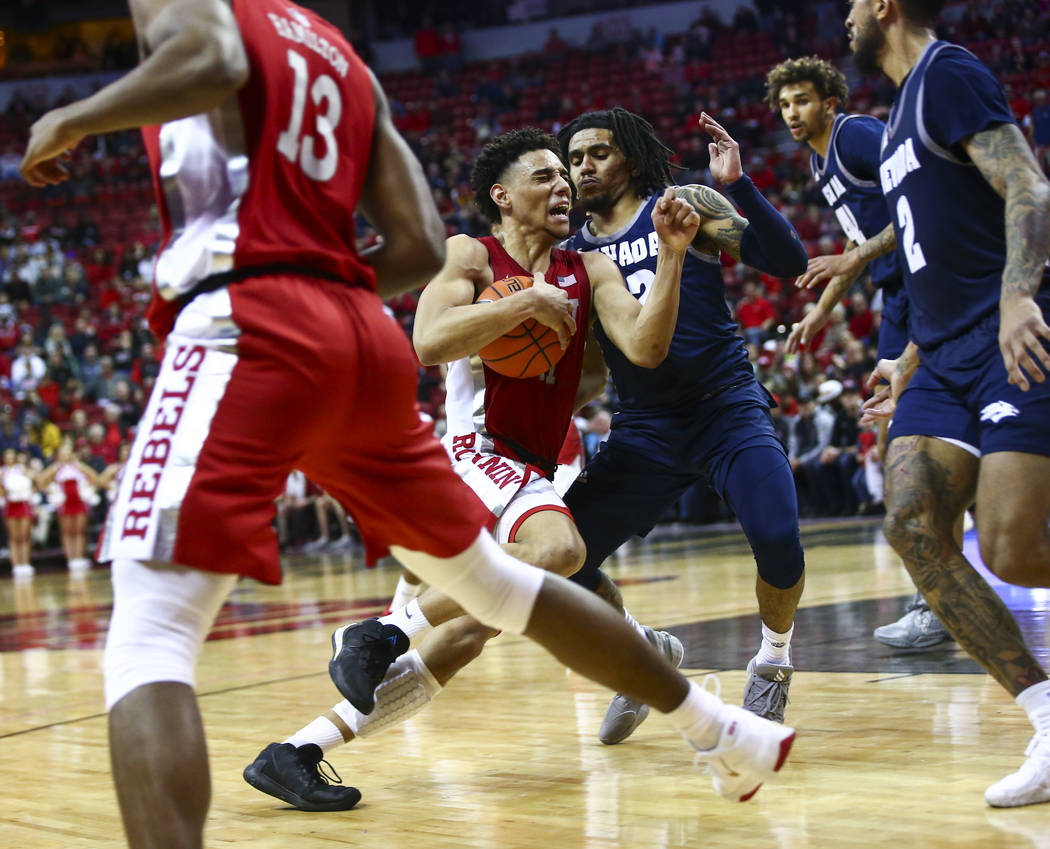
(561, 210)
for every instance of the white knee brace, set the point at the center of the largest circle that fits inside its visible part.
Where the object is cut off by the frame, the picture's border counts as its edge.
(161, 615)
(488, 583)
(407, 688)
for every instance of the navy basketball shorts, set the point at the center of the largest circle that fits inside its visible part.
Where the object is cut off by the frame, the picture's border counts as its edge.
(960, 393)
(650, 461)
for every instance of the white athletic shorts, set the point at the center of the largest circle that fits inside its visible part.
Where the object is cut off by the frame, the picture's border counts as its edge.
(512, 491)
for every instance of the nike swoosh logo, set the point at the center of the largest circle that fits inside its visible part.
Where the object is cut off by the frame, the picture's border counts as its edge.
(408, 615)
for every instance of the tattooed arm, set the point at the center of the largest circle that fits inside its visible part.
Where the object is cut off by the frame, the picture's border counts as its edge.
(1002, 155)
(765, 241)
(853, 260)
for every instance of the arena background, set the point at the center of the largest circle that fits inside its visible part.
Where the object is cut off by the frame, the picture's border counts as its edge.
(77, 360)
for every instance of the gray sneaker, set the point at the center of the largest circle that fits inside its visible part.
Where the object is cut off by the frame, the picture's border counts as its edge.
(625, 714)
(918, 628)
(766, 691)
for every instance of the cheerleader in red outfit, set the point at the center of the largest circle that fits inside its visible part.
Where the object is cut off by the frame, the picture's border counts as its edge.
(17, 488)
(77, 483)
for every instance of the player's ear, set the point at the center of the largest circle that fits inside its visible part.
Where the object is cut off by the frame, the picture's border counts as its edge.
(500, 197)
(831, 104)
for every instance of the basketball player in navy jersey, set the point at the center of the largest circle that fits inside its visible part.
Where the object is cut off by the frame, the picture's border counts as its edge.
(701, 414)
(515, 425)
(845, 165)
(969, 397)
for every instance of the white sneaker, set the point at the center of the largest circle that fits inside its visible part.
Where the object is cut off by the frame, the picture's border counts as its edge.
(22, 571)
(1030, 785)
(750, 751)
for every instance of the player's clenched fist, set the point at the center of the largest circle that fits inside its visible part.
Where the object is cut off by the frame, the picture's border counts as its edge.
(675, 220)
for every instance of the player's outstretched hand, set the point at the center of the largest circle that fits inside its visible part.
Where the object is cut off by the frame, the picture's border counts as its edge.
(822, 268)
(724, 151)
(1023, 336)
(889, 379)
(51, 143)
(675, 220)
(804, 331)
(551, 307)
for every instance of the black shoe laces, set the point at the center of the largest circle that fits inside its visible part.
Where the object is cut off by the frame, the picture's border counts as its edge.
(321, 772)
(376, 656)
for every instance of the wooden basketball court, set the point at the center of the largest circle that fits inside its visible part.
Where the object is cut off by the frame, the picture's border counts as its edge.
(894, 749)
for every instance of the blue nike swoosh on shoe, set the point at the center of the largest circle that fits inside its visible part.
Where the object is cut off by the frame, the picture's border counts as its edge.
(408, 615)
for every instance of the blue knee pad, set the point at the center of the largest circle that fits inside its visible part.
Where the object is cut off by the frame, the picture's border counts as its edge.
(761, 490)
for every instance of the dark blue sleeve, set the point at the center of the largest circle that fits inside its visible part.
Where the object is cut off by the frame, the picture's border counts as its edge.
(961, 97)
(769, 242)
(859, 144)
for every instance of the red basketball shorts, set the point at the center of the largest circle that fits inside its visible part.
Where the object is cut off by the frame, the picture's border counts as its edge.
(268, 375)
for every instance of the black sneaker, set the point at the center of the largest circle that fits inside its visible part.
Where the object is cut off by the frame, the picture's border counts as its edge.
(294, 776)
(361, 655)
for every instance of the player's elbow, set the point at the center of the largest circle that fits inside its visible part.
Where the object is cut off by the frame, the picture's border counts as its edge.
(221, 58)
(649, 356)
(428, 347)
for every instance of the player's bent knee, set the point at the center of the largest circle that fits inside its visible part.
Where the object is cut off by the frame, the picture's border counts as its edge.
(160, 619)
(565, 558)
(488, 583)
(1013, 558)
(780, 559)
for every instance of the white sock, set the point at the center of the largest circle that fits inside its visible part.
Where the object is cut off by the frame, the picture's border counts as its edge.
(776, 647)
(1036, 702)
(408, 618)
(404, 593)
(321, 731)
(697, 717)
(633, 622)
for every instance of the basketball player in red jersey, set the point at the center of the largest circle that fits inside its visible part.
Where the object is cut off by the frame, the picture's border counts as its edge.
(265, 133)
(504, 434)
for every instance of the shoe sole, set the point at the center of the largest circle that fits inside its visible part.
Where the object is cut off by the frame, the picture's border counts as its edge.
(904, 644)
(785, 749)
(270, 787)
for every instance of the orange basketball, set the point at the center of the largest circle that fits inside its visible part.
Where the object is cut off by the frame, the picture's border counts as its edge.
(529, 349)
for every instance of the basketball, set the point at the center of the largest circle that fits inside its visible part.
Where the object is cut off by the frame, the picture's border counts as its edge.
(529, 349)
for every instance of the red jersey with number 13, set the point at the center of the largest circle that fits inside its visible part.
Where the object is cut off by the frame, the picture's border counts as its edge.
(272, 176)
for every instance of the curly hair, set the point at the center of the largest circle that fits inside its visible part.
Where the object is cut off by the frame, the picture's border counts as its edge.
(828, 80)
(497, 156)
(650, 157)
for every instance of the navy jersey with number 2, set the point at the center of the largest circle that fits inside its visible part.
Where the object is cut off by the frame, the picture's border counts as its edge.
(948, 220)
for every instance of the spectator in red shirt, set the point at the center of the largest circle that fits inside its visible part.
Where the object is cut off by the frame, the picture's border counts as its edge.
(809, 227)
(449, 48)
(426, 43)
(755, 314)
(861, 319)
(555, 45)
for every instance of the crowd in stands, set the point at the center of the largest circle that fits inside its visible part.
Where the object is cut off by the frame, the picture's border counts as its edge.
(77, 360)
